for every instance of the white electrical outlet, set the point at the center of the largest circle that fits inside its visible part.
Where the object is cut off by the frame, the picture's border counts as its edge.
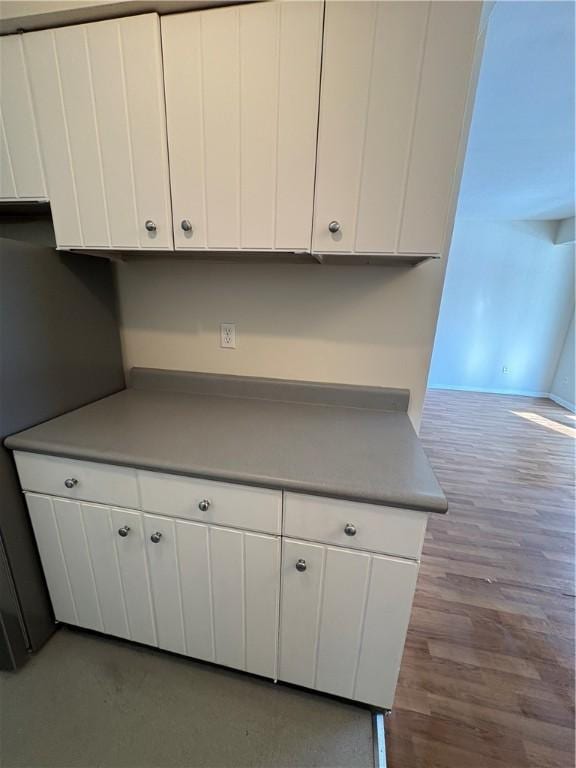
(228, 335)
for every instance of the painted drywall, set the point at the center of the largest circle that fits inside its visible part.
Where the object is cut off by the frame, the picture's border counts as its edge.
(507, 303)
(563, 389)
(355, 325)
(520, 159)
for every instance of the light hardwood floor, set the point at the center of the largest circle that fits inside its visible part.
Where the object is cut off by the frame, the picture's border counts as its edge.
(487, 679)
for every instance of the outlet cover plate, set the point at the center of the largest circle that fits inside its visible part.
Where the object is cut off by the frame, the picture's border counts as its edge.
(228, 335)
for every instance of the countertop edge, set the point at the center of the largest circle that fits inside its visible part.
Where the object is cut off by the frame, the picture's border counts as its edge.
(418, 502)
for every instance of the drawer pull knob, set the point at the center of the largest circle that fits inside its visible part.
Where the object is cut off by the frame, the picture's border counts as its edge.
(349, 529)
(70, 482)
(155, 538)
(300, 565)
(186, 225)
(124, 531)
(150, 225)
(334, 227)
(204, 505)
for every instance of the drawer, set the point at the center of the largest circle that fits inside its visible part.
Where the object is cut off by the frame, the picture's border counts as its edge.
(91, 481)
(191, 498)
(370, 527)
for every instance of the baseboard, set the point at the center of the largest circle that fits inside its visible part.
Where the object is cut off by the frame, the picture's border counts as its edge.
(491, 391)
(564, 403)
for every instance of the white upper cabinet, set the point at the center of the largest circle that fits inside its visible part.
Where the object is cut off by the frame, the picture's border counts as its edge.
(98, 96)
(395, 83)
(242, 88)
(21, 172)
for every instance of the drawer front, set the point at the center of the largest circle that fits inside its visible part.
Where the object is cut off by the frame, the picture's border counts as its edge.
(89, 481)
(370, 527)
(238, 506)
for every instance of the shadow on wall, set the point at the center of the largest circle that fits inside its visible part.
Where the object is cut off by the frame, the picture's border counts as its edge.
(278, 299)
(507, 304)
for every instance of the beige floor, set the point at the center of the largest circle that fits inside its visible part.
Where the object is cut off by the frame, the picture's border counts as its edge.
(91, 701)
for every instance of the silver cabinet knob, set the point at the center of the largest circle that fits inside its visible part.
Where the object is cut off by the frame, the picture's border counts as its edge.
(300, 565)
(204, 505)
(334, 227)
(124, 531)
(70, 482)
(155, 538)
(349, 529)
(150, 226)
(186, 225)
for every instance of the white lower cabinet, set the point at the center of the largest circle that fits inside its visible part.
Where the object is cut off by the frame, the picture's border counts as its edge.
(195, 589)
(325, 616)
(344, 619)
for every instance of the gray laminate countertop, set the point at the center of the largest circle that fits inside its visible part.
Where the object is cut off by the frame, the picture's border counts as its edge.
(347, 442)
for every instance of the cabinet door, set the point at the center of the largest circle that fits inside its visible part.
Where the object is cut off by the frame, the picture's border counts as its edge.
(395, 81)
(242, 88)
(21, 172)
(227, 583)
(134, 575)
(344, 617)
(96, 578)
(98, 96)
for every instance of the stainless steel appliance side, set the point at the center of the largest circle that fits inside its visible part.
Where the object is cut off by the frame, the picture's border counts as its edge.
(59, 349)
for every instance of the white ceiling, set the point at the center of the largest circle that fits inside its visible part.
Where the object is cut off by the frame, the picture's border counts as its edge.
(520, 158)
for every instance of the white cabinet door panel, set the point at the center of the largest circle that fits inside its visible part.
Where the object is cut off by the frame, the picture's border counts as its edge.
(135, 578)
(98, 96)
(346, 66)
(227, 564)
(241, 95)
(262, 588)
(165, 581)
(52, 556)
(193, 542)
(47, 96)
(344, 620)
(70, 524)
(345, 585)
(300, 612)
(144, 93)
(21, 171)
(398, 45)
(105, 53)
(386, 618)
(101, 537)
(230, 582)
(75, 82)
(448, 61)
(395, 79)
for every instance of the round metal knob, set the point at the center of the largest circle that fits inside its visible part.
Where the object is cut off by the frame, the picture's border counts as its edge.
(155, 538)
(186, 225)
(70, 482)
(300, 565)
(150, 226)
(204, 505)
(334, 227)
(124, 531)
(349, 529)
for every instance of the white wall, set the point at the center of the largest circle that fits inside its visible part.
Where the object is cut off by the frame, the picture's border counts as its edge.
(508, 299)
(563, 388)
(357, 325)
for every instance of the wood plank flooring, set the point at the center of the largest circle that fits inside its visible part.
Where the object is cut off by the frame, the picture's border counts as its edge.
(487, 679)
